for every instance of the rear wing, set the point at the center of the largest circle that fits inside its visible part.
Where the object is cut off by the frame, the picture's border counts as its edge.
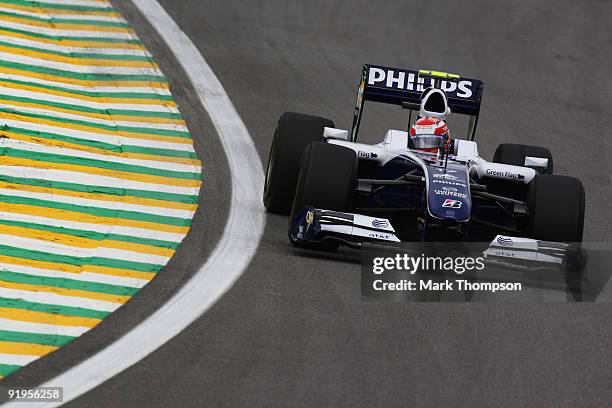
(404, 87)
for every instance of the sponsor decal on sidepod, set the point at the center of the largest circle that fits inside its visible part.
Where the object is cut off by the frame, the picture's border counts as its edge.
(505, 174)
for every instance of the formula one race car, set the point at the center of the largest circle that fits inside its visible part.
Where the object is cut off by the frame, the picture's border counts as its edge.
(338, 191)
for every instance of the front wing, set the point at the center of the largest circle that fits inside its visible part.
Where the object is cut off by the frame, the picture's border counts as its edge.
(312, 225)
(316, 225)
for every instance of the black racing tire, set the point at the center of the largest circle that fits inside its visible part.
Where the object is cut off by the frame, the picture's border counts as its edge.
(326, 181)
(514, 154)
(293, 133)
(556, 208)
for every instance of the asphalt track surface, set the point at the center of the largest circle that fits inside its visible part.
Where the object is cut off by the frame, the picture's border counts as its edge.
(294, 331)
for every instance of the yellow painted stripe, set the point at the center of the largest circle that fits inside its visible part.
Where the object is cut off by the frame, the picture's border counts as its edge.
(60, 267)
(142, 156)
(144, 178)
(67, 268)
(142, 119)
(130, 246)
(74, 43)
(46, 318)
(28, 349)
(39, 9)
(55, 114)
(78, 61)
(74, 146)
(81, 242)
(92, 129)
(128, 101)
(125, 273)
(82, 82)
(66, 292)
(89, 219)
(64, 26)
(99, 196)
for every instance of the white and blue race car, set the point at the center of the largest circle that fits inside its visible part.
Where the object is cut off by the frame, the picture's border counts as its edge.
(338, 191)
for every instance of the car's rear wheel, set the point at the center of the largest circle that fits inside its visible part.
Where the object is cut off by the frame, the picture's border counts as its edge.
(515, 154)
(326, 180)
(293, 133)
(556, 208)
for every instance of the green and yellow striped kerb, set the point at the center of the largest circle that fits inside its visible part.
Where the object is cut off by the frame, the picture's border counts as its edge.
(99, 179)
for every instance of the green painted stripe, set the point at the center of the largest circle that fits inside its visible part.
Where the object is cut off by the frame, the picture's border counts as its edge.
(57, 340)
(53, 136)
(101, 145)
(99, 212)
(41, 103)
(53, 309)
(160, 152)
(7, 274)
(51, 21)
(64, 38)
(77, 261)
(99, 164)
(91, 234)
(120, 95)
(109, 112)
(120, 192)
(39, 4)
(113, 57)
(6, 369)
(94, 23)
(117, 128)
(146, 114)
(86, 77)
(18, 277)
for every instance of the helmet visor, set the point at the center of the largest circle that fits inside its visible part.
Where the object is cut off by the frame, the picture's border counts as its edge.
(427, 141)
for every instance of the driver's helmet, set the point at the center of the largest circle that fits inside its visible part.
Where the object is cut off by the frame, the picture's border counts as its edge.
(428, 135)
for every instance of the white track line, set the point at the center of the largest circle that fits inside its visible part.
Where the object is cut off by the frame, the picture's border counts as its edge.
(231, 256)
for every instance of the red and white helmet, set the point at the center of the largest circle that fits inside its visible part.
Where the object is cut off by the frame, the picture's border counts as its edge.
(428, 134)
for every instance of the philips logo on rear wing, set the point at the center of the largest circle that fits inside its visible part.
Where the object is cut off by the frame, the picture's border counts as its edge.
(404, 80)
(404, 87)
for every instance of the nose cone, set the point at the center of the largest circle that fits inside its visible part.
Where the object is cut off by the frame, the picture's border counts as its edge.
(448, 194)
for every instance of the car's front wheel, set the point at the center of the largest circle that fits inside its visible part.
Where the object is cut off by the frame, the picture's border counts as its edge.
(327, 178)
(293, 133)
(556, 208)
